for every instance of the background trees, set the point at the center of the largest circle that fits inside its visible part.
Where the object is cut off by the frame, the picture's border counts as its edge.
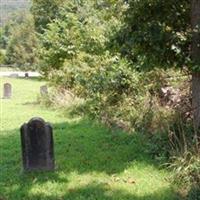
(157, 33)
(22, 41)
(44, 11)
(17, 35)
(78, 35)
(10, 7)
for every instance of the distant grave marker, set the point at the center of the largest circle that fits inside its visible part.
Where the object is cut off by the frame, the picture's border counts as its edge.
(7, 91)
(14, 75)
(37, 145)
(43, 90)
(26, 75)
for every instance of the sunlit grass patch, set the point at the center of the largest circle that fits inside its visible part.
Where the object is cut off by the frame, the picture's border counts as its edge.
(91, 161)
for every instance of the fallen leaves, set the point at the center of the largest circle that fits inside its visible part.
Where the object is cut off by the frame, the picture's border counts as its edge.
(128, 180)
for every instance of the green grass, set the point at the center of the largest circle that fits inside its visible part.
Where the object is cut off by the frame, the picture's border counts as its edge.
(5, 69)
(92, 162)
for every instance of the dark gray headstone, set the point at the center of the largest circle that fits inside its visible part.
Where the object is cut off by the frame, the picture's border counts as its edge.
(43, 90)
(7, 91)
(26, 75)
(37, 145)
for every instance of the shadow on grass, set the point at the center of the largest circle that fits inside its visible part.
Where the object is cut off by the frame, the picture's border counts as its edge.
(81, 147)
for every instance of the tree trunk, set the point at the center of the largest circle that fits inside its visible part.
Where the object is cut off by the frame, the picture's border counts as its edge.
(195, 54)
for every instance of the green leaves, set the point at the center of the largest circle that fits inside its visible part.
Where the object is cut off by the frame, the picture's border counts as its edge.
(21, 41)
(157, 30)
(79, 31)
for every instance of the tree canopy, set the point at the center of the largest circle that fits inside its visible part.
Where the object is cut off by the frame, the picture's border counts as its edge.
(157, 33)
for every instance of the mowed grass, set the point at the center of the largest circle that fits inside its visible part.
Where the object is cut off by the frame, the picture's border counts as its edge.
(92, 162)
(5, 69)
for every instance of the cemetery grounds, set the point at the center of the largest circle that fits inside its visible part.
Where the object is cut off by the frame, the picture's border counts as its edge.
(92, 162)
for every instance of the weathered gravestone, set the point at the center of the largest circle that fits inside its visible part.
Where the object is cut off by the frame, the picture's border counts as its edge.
(37, 145)
(43, 90)
(7, 91)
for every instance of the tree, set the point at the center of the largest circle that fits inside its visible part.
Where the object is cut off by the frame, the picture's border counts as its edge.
(159, 34)
(2, 56)
(78, 33)
(21, 42)
(4, 35)
(195, 54)
(44, 11)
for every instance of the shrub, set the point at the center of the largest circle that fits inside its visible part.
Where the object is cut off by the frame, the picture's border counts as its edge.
(186, 168)
(2, 56)
(194, 193)
(22, 42)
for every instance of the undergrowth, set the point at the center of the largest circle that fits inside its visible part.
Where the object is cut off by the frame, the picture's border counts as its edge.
(151, 104)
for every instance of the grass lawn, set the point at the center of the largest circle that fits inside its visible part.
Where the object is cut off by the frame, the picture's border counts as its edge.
(5, 69)
(92, 162)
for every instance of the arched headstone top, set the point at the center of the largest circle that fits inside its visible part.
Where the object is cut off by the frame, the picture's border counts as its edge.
(36, 122)
(7, 85)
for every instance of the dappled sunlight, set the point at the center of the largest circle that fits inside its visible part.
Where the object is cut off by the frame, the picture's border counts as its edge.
(91, 160)
(99, 100)
(94, 189)
(46, 189)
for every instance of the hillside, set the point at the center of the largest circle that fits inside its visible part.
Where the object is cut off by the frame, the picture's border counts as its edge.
(10, 6)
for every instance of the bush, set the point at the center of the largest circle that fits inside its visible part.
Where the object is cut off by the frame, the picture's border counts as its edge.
(194, 193)
(20, 41)
(186, 168)
(2, 56)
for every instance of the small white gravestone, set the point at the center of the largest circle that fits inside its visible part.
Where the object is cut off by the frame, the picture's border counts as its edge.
(7, 91)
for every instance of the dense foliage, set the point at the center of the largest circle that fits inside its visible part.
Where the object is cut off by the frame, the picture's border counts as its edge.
(22, 42)
(78, 38)
(19, 41)
(44, 11)
(157, 33)
(2, 56)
